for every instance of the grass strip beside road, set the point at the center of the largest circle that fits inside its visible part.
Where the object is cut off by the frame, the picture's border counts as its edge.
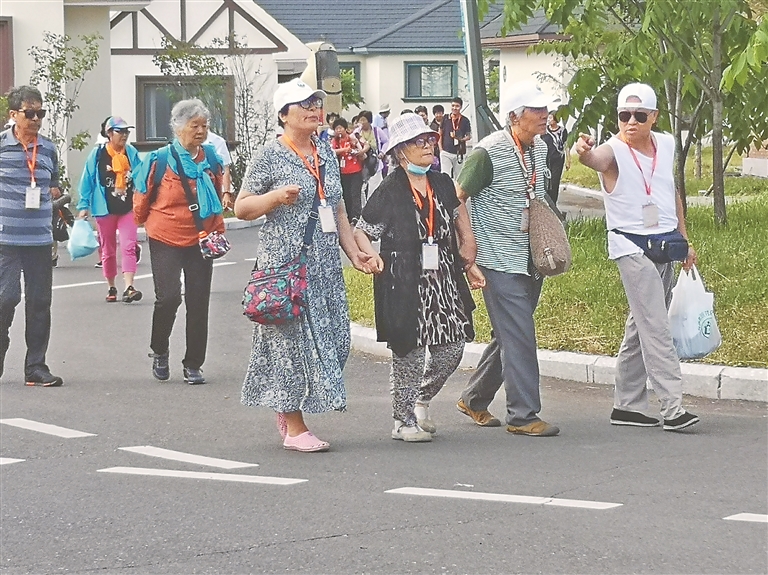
(585, 309)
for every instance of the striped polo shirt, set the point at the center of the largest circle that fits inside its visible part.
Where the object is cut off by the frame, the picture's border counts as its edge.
(493, 178)
(18, 225)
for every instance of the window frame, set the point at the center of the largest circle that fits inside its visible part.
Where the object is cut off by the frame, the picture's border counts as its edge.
(453, 64)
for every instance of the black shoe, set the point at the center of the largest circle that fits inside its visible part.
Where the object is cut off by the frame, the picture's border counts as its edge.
(138, 252)
(55, 262)
(160, 368)
(193, 376)
(43, 378)
(680, 422)
(98, 265)
(112, 295)
(131, 294)
(634, 418)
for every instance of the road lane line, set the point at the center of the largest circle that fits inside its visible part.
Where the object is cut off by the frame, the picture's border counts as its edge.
(754, 517)
(137, 277)
(503, 497)
(219, 264)
(187, 457)
(7, 460)
(204, 475)
(46, 428)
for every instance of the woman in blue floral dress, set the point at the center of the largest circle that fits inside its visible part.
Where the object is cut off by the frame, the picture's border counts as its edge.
(297, 367)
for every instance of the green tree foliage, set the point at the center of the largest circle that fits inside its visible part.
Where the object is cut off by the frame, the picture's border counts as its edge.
(706, 59)
(350, 90)
(60, 69)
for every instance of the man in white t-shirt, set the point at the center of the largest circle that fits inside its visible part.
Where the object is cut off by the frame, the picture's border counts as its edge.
(226, 160)
(636, 175)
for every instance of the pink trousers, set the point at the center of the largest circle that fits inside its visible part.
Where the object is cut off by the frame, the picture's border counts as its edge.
(108, 228)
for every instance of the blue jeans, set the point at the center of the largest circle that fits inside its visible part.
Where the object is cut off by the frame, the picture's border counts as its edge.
(35, 263)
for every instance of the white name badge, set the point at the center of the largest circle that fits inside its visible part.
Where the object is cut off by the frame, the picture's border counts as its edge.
(429, 257)
(650, 215)
(32, 199)
(327, 221)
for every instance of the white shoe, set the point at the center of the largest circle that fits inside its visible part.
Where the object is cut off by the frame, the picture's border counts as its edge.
(412, 433)
(422, 417)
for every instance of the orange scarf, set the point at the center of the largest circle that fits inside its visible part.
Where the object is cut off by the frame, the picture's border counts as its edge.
(120, 166)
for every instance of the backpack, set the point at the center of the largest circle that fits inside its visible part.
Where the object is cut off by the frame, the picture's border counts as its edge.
(161, 164)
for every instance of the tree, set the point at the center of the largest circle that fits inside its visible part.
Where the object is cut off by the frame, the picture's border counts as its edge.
(682, 48)
(350, 89)
(60, 69)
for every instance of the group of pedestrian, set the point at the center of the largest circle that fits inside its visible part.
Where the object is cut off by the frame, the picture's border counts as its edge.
(433, 250)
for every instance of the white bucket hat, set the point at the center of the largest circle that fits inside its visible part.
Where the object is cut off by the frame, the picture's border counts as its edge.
(642, 92)
(406, 127)
(294, 92)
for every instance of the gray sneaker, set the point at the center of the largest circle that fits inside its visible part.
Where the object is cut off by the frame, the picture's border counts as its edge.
(410, 433)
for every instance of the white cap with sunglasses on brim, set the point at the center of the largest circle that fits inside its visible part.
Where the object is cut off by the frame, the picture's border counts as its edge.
(294, 92)
(406, 127)
(525, 94)
(642, 92)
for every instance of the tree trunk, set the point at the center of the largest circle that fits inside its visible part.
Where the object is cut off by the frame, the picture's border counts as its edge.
(698, 158)
(675, 101)
(718, 180)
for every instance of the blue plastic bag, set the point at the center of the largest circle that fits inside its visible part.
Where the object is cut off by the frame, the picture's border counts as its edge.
(82, 240)
(692, 317)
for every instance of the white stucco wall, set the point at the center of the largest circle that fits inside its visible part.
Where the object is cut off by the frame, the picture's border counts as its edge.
(515, 65)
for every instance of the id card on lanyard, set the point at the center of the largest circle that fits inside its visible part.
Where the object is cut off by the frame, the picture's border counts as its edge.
(32, 192)
(650, 210)
(430, 252)
(530, 179)
(324, 211)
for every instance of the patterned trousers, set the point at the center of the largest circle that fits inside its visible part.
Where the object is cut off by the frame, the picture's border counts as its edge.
(415, 377)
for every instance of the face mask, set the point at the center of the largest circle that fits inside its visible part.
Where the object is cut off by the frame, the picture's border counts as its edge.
(417, 170)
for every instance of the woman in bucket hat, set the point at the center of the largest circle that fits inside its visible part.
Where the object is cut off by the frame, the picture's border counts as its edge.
(422, 300)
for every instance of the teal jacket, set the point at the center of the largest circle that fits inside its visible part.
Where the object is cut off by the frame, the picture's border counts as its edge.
(93, 196)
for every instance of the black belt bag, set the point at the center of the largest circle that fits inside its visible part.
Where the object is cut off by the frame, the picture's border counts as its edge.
(660, 248)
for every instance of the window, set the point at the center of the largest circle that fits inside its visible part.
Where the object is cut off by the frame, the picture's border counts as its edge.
(431, 80)
(156, 96)
(352, 83)
(6, 56)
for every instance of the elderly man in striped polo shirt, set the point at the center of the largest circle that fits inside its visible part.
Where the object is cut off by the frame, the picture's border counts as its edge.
(497, 175)
(29, 179)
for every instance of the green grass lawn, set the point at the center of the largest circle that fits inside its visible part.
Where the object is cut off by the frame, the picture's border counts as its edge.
(585, 309)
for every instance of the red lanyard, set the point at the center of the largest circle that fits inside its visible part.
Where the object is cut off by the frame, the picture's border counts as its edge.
(314, 170)
(456, 124)
(639, 167)
(31, 163)
(420, 204)
(523, 164)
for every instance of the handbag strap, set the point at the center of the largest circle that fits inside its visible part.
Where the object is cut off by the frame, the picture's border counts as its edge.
(194, 207)
(314, 215)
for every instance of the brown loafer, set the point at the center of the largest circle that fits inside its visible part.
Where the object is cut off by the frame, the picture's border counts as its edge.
(537, 429)
(481, 418)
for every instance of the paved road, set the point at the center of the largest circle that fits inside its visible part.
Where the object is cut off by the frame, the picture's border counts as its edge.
(62, 513)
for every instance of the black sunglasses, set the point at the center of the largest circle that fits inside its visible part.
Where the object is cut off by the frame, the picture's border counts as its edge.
(625, 115)
(29, 114)
(311, 102)
(422, 141)
(121, 130)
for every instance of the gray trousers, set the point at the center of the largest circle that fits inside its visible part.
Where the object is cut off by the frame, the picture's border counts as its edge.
(647, 352)
(510, 358)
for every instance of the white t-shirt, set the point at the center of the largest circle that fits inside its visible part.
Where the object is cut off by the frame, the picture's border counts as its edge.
(221, 147)
(624, 205)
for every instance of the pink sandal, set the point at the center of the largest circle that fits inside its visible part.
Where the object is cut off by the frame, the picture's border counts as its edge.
(306, 442)
(282, 425)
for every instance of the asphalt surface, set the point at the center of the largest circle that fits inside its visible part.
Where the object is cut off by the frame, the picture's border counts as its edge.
(60, 514)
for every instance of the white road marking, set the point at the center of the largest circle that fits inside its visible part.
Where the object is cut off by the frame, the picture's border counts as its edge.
(218, 264)
(138, 277)
(755, 517)
(503, 497)
(7, 460)
(249, 259)
(187, 457)
(204, 475)
(46, 428)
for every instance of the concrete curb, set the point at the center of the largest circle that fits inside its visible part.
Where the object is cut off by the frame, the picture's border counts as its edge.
(229, 223)
(699, 379)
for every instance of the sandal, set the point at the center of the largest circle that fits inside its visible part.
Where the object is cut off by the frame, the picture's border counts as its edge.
(306, 442)
(282, 425)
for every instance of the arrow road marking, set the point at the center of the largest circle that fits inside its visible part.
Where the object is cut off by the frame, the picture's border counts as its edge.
(7, 460)
(46, 428)
(187, 457)
(503, 497)
(204, 475)
(756, 517)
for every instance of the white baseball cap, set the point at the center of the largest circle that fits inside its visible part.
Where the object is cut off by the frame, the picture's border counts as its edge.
(294, 92)
(525, 94)
(406, 127)
(642, 92)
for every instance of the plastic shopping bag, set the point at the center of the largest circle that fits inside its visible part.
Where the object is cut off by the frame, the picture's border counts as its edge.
(692, 317)
(82, 240)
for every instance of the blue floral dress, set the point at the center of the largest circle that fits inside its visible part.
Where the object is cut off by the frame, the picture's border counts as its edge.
(298, 365)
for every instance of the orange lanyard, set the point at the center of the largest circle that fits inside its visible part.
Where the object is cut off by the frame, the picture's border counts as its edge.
(314, 170)
(523, 164)
(456, 124)
(420, 204)
(639, 167)
(31, 163)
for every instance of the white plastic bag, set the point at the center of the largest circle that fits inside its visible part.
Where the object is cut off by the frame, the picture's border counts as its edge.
(692, 317)
(82, 240)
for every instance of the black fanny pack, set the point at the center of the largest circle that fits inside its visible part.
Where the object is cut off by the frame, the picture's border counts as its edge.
(660, 248)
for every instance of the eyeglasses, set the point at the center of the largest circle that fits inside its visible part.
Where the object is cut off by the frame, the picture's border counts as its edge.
(422, 141)
(121, 130)
(625, 115)
(311, 102)
(29, 114)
